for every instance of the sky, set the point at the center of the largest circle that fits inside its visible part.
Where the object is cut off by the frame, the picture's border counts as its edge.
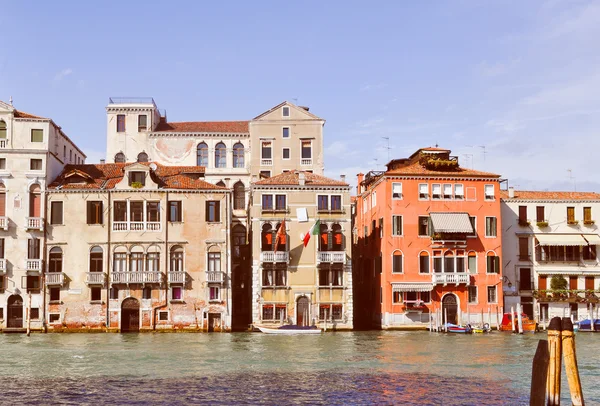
(511, 87)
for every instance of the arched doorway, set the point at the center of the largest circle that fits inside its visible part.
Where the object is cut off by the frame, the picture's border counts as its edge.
(130, 315)
(15, 312)
(450, 307)
(302, 311)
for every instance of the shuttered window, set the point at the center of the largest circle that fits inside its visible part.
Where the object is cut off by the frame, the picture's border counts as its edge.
(175, 211)
(94, 212)
(522, 214)
(396, 225)
(213, 212)
(493, 263)
(33, 248)
(121, 123)
(56, 213)
(37, 135)
(539, 214)
(2, 204)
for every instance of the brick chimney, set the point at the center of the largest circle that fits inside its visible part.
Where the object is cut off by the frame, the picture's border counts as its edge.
(343, 178)
(511, 192)
(301, 178)
(361, 177)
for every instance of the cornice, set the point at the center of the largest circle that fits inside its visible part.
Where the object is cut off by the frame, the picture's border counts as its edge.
(196, 134)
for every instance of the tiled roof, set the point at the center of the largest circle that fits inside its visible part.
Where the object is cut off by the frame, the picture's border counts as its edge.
(107, 176)
(417, 169)
(545, 195)
(204, 127)
(291, 179)
(22, 114)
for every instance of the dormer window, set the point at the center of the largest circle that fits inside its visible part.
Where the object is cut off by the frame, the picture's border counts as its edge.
(285, 111)
(137, 179)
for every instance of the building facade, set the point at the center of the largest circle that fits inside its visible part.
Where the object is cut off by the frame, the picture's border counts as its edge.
(550, 242)
(301, 247)
(427, 236)
(33, 151)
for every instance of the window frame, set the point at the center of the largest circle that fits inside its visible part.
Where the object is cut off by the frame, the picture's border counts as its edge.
(476, 288)
(495, 228)
(487, 197)
(394, 225)
(433, 194)
(447, 196)
(427, 231)
(121, 123)
(423, 196)
(35, 133)
(460, 196)
(283, 151)
(39, 161)
(213, 211)
(394, 255)
(140, 126)
(428, 262)
(394, 197)
(283, 132)
(495, 290)
(178, 206)
(302, 142)
(53, 213)
(285, 109)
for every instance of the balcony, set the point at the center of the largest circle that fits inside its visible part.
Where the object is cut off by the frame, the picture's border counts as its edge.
(306, 162)
(4, 223)
(55, 279)
(275, 256)
(455, 278)
(214, 277)
(567, 296)
(136, 226)
(331, 257)
(34, 223)
(176, 277)
(3, 143)
(33, 265)
(136, 277)
(95, 278)
(2, 265)
(266, 162)
(449, 238)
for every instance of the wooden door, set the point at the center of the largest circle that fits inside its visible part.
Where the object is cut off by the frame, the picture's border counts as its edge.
(542, 282)
(130, 315)
(15, 312)
(589, 283)
(450, 307)
(35, 200)
(302, 312)
(573, 283)
(525, 279)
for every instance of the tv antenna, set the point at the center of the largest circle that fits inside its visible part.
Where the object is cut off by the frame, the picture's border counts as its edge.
(571, 177)
(388, 146)
(467, 157)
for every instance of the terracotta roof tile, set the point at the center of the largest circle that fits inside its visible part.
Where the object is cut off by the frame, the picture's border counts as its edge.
(107, 176)
(417, 169)
(204, 127)
(22, 114)
(548, 195)
(291, 179)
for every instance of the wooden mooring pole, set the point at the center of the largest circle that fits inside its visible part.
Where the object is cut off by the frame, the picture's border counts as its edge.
(554, 366)
(570, 357)
(539, 375)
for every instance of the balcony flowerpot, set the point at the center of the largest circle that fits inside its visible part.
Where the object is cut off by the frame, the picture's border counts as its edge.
(573, 222)
(542, 224)
(137, 185)
(524, 223)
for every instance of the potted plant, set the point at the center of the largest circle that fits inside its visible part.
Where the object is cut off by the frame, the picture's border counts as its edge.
(589, 222)
(136, 185)
(542, 224)
(572, 222)
(524, 223)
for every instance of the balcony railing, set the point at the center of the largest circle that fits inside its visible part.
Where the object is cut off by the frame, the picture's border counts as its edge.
(449, 237)
(4, 223)
(214, 277)
(455, 278)
(136, 226)
(33, 265)
(275, 256)
(266, 162)
(2, 265)
(35, 223)
(331, 256)
(567, 295)
(177, 277)
(136, 277)
(95, 278)
(3, 143)
(306, 162)
(55, 278)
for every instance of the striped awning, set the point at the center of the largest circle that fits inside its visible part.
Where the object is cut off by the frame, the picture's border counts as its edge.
(451, 223)
(592, 239)
(412, 287)
(561, 239)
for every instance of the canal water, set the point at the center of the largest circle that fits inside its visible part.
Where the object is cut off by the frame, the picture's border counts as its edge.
(408, 368)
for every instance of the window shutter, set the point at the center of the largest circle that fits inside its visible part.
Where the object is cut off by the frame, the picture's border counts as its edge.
(207, 211)
(496, 264)
(100, 212)
(218, 211)
(2, 204)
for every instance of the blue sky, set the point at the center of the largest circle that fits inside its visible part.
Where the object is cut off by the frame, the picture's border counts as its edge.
(520, 78)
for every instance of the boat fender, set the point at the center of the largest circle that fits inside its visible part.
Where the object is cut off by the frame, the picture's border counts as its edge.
(486, 326)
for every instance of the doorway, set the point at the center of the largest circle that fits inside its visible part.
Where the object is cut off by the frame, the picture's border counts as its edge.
(302, 312)
(130, 315)
(214, 322)
(449, 307)
(15, 312)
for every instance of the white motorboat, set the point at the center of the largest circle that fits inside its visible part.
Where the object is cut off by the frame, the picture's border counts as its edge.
(290, 329)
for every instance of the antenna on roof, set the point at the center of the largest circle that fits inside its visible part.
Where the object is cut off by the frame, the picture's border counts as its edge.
(295, 99)
(10, 100)
(484, 152)
(388, 146)
(469, 156)
(573, 179)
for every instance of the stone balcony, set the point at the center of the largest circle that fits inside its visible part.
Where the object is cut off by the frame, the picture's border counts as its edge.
(2, 265)
(214, 277)
(275, 256)
(451, 278)
(136, 277)
(55, 278)
(33, 265)
(331, 257)
(34, 223)
(4, 223)
(95, 278)
(177, 277)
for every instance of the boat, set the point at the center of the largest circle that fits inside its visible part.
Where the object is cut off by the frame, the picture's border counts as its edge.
(585, 326)
(290, 329)
(453, 328)
(482, 329)
(528, 324)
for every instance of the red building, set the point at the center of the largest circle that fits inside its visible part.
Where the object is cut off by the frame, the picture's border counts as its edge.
(427, 239)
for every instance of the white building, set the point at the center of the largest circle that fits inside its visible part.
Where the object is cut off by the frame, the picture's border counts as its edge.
(548, 236)
(33, 151)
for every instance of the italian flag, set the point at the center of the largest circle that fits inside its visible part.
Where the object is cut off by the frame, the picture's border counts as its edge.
(314, 230)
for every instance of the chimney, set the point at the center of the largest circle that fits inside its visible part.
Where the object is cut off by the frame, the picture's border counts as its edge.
(361, 177)
(304, 107)
(343, 178)
(511, 192)
(301, 178)
(103, 161)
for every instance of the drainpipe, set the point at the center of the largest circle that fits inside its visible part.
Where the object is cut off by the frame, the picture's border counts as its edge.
(162, 306)
(45, 239)
(108, 259)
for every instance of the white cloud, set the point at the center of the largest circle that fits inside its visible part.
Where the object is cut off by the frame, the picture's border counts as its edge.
(62, 74)
(372, 86)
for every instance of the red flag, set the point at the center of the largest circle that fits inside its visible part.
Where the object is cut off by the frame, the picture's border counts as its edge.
(280, 236)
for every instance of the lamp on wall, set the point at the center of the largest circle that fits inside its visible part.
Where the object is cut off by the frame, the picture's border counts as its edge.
(505, 279)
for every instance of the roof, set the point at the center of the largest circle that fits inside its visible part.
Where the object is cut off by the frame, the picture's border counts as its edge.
(22, 114)
(287, 103)
(292, 179)
(107, 176)
(416, 169)
(204, 127)
(451, 223)
(546, 195)
(561, 239)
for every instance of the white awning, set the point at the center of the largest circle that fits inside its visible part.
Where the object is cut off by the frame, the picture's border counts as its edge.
(561, 239)
(592, 239)
(451, 223)
(412, 287)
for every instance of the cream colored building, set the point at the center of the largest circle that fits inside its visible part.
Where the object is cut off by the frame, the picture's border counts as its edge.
(33, 151)
(138, 246)
(292, 283)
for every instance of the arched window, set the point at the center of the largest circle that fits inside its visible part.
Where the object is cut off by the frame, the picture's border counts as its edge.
(177, 258)
(493, 262)
(120, 158)
(397, 262)
(423, 262)
(324, 238)
(35, 200)
(266, 238)
(282, 242)
(136, 259)
(337, 238)
(55, 260)
(120, 259)
(449, 262)
(239, 238)
(96, 259)
(202, 154)
(2, 129)
(142, 157)
(220, 155)
(239, 196)
(221, 183)
(238, 155)
(472, 262)
(153, 259)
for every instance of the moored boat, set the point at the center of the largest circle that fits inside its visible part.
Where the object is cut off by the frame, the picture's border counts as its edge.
(453, 328)
(290, 330)
(482, 329)
(586, 326)
(528, 324)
